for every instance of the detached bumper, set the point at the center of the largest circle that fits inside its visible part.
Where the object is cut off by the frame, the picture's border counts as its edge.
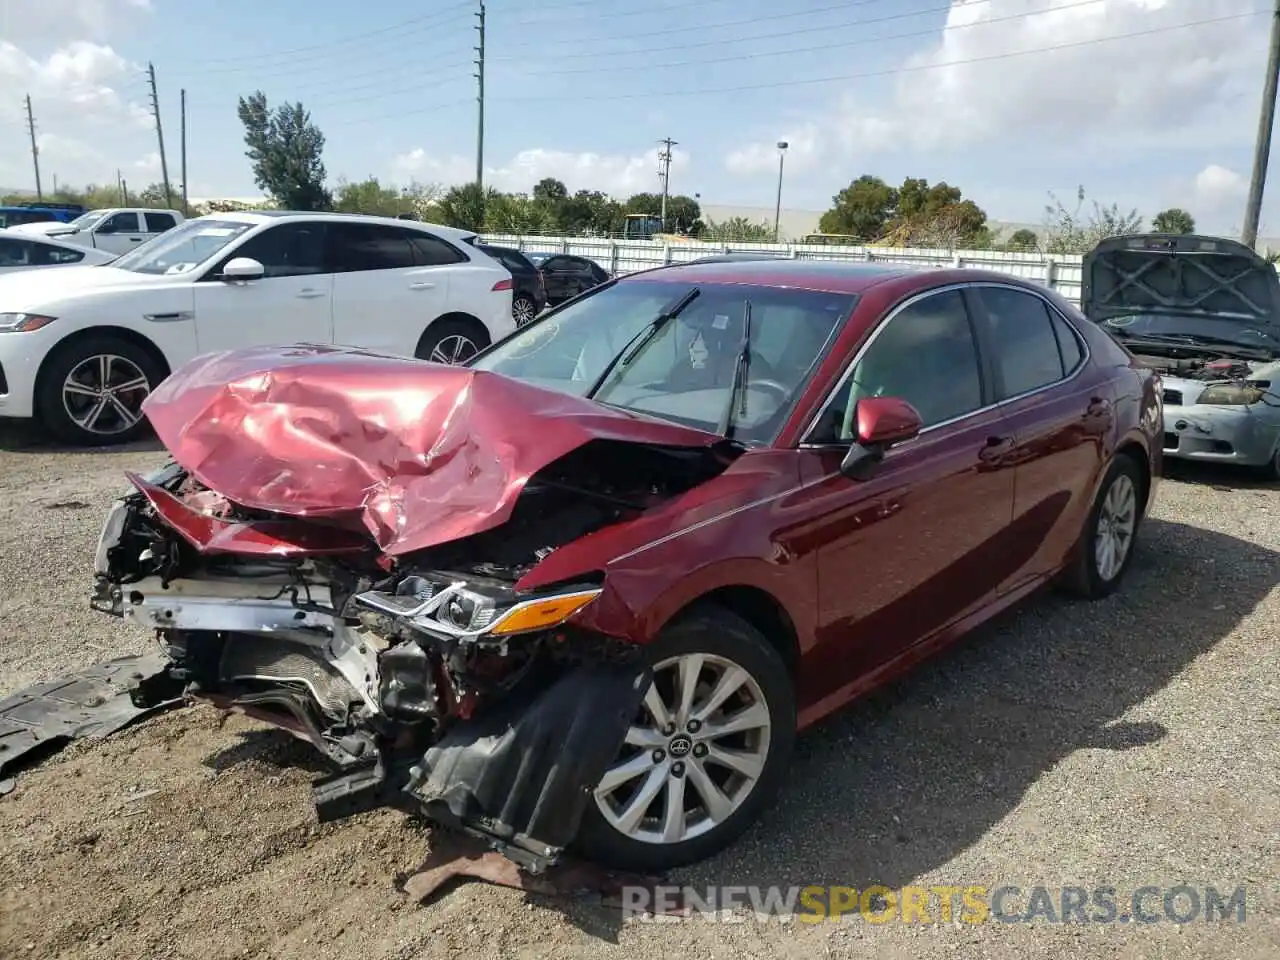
(1219, 434)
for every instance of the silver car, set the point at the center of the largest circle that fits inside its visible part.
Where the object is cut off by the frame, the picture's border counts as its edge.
(1205, 313)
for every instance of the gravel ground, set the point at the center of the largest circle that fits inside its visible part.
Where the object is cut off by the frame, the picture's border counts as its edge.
(1126, 743)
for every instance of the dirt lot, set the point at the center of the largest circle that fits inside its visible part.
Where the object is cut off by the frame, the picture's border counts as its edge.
(1127, 743)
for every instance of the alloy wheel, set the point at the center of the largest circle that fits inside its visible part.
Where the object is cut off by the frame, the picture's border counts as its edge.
(523, 311)
(1117, 520)
(454, 349)
(692, 756)
(103, 394)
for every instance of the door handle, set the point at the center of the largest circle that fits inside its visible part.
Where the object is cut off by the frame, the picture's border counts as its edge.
(135, 239)
(310, 294)
(995, 448)
(422, 285)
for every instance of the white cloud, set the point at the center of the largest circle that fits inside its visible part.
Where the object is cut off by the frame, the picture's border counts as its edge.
(613, 173)
(34, 21)
(802, 152)
(1216, 185)
(970, 88)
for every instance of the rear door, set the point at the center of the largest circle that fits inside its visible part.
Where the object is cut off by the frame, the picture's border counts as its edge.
(386, 287)
(120, 232)
(1060, 413)
(157, 222)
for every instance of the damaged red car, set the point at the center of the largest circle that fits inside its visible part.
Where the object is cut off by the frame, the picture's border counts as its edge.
(583, 591)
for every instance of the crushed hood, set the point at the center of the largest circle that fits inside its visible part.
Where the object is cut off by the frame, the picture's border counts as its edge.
(420, 453)
(1187, 275)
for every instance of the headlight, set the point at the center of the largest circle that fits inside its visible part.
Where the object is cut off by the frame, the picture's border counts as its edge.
(466, 609)
(23, 322)
(1233, 394)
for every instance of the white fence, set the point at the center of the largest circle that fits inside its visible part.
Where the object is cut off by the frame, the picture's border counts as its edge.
(1061, 273)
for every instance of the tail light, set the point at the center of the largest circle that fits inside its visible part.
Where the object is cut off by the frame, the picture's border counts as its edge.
(503, 285)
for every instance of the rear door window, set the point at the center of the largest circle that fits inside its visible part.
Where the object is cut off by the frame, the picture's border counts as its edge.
(359, 247)
(1027, 352)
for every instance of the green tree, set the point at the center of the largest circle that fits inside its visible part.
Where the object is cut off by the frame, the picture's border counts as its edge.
(464, 206)
(590, 213)
(738, 228)
(684, 214)
(285, 148)
(372, 197)
(152, 196)
(508, 213)
(1173, 220)
(1023, 239)
(1071, 231)
(550, 191)
(862, 209)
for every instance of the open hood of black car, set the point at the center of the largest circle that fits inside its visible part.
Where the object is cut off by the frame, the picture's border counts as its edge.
(1186, 275)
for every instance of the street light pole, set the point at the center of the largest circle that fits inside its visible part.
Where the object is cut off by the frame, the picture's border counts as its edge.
(777, 210)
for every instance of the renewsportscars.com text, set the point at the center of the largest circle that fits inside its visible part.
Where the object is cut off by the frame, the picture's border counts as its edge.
(971, 904)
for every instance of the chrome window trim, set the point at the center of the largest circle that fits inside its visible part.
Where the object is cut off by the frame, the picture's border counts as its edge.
(806, 444)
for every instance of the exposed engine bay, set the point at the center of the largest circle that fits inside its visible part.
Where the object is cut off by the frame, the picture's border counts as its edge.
(428, 681)
(1205, 368)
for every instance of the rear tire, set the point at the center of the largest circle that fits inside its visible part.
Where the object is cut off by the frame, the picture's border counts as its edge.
(674, 764)
(1105, 549)
(91, 391)
(1271, 469)
(452, 341)
(523, 310)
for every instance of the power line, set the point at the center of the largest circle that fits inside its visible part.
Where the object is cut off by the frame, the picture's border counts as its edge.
(427, 20)
(691, 92)
(860, 41)
(631, 35)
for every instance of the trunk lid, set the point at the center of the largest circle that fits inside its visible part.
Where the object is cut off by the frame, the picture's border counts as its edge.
(418, 453)
(1182, 275)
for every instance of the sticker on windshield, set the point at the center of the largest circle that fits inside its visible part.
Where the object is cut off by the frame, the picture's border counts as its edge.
(720, 322)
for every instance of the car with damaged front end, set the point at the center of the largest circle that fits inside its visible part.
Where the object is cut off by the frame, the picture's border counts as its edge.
(583, 590)
(1205, 313)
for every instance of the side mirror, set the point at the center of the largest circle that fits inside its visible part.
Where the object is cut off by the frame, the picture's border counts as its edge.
(243, 268)
(881, 422)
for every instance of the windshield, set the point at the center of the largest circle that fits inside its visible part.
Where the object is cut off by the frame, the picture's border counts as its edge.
(87, 220)
(183, 248)
(1241, 332)
(685, 372)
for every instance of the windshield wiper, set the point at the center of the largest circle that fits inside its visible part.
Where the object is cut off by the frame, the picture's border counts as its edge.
(738, 388)
(1228, 348)
(631, 350)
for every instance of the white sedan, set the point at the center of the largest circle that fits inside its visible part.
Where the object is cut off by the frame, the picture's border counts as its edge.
(82, 349)
(23, 252)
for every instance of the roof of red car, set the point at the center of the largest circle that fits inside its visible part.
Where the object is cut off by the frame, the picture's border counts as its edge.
(828, 276)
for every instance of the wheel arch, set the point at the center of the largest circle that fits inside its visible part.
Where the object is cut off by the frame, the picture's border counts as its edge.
(455, 316)
(758, 607)
(132, 337)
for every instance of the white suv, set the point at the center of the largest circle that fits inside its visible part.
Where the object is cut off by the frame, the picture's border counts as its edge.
(82, 349)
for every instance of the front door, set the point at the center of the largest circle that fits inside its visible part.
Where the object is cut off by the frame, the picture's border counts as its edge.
(918, 546)
(120, 232)
(291, 303)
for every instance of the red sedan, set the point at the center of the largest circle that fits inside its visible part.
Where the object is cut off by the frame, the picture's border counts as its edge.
(586, 588)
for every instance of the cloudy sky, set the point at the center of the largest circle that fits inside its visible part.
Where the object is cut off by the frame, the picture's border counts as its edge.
(1147, 103)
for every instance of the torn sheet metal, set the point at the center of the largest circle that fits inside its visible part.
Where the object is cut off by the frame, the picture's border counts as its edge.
(521, 772)
(93, 703)
(417, 453)
(457, 857)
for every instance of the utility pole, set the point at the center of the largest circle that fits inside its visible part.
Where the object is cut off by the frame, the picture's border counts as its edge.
(777, 210)
(664, 158)
(155, 109)
(479, 75)
(120, 188)
(124, 193)
(1262, 148)
(185, 211)
(35, 150)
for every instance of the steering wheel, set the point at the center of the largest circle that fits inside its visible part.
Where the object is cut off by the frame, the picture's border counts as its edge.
(783, 393)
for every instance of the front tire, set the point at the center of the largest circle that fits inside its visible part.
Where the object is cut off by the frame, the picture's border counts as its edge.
(91, 392)
(1271, 469)
(707, 752)
(1105, 549)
